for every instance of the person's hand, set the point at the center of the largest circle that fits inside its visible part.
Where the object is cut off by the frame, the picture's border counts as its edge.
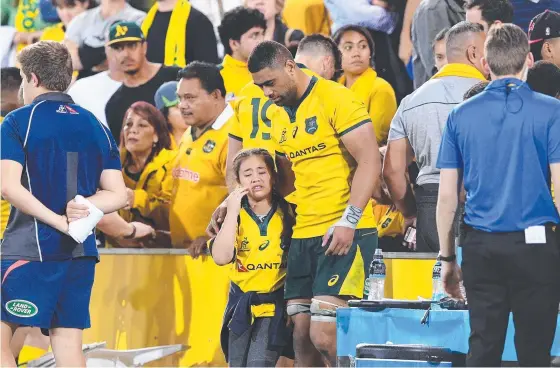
(341, 240)
(405, 48)
(216, 220)
(451, 275)
(143, 230)
(409, 222)
(76, 211)
(234, 200)
(129, 197)
(198, 246)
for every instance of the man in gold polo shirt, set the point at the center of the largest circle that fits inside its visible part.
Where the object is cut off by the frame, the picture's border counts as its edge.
(198, 184)
(240, 31)
(326, 137)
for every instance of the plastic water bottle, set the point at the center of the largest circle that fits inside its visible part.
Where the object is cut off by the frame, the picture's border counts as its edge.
(438, 292)
(377, 273)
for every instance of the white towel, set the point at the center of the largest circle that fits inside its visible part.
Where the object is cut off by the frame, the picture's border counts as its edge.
(80, 229)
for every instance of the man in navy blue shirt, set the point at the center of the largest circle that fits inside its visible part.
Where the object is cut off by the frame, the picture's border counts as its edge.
(504, 146)
(52, 150)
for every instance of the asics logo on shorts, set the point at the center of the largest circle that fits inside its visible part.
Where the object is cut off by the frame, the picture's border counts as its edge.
(333, 280)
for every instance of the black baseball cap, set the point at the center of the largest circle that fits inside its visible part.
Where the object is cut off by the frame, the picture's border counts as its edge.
(125, 32)
(544, 26)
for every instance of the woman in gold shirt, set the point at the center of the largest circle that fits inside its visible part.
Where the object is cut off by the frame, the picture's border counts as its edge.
(146, 155)
(357, 48)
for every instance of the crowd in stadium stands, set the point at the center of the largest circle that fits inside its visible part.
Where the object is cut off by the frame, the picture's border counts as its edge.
(175, 82)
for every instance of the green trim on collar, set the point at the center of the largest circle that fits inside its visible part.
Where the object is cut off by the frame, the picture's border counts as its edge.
(263, 225)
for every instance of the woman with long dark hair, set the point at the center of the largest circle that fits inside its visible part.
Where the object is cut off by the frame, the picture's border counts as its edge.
(357, 48)
(145, 144)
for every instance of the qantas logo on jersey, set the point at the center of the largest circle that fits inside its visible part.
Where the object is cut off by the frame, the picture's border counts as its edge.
(307, 151)
(240, 267)
(266, 266)
(65, 109)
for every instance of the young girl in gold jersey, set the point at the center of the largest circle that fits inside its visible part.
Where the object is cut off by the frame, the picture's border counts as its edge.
(253, 242)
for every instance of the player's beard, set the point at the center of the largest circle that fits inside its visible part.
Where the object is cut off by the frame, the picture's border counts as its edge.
(289, 98)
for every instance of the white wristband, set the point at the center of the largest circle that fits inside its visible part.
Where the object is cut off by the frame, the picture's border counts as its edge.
(351, 217)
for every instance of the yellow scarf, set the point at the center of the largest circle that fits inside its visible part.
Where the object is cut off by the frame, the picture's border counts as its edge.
(459, 70)
(175, 37)
(27, 18)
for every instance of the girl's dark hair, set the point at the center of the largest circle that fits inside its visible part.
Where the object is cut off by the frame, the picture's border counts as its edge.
(288, 219)
(361, 30)
(72, 3)
(153, 116)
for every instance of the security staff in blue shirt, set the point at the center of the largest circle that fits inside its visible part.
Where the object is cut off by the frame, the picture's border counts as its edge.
(504, 146)
(52, 150)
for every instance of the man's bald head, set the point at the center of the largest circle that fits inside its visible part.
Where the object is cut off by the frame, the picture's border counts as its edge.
(269, 54)
(465, 44)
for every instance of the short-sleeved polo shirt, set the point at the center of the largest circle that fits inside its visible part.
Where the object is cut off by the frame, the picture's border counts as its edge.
(504, 139)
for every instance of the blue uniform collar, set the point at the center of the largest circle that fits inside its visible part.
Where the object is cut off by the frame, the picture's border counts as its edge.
(510, 83)
(54, 96)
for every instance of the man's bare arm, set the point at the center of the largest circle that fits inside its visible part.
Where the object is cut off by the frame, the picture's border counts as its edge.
(24, 200)
(112, 196)
(448, 199)
(285, 175)
(234, 146)
(362, 145)
(398, 157)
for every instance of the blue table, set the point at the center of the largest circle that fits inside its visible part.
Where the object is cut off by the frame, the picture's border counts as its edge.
(448, 329)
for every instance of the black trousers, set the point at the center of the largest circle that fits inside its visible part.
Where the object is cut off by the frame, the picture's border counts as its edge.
(503, 274)
(426, 230)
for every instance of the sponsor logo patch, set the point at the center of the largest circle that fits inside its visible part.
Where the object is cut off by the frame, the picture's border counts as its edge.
(209, 146)
(311, 125)
(185, 174)
(21, 308)
(333, 280)
(264, 245)
(244, 247)
(240, 267)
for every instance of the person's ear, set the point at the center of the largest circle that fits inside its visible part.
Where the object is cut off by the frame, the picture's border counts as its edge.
(216, 94)
(290, 67)
(471, 54)
(35, 80)
(546, 50)
(485, 66)
(530, 60)
(234, 45)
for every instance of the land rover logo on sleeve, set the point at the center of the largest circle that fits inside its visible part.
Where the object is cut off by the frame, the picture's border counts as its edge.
(209, 146)
(21, 308)
(311, 125)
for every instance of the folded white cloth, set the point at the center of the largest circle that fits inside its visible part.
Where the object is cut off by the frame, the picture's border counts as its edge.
(80, 229)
